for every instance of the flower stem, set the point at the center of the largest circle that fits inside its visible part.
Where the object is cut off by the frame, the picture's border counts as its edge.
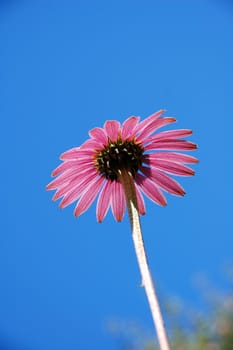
(147, 282)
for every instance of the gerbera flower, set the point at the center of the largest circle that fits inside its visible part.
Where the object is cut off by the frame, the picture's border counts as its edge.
(94, 168)
(120, 163)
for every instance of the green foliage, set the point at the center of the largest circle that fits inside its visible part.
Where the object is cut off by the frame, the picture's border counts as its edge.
(188, 329)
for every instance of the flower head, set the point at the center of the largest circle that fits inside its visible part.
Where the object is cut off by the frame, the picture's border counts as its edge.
(94, 168)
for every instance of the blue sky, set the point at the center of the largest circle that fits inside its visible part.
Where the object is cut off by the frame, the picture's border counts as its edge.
(66, 67)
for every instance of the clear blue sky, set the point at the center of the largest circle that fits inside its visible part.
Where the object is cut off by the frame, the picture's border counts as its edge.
(66, 67)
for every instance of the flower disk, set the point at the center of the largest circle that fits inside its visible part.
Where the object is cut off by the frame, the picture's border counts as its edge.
(117, 156)
(92, 170)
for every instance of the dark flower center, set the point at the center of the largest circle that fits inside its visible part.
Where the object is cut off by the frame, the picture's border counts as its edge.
(117, 156)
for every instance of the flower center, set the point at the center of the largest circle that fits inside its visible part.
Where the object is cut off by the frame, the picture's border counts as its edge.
(117, 156)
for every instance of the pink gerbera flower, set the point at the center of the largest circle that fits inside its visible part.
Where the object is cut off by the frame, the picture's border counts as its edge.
(94, 168)
(120, 163)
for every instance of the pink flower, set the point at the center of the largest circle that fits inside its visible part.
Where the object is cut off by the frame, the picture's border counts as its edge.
(93, 169)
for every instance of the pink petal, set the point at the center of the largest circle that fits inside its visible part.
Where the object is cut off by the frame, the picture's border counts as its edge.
(88, 196)
(91, 144)
(70, 184)
(63, 167)
(104, 201)
(88, 153)
(128, 127)
(75, 191)
(112, 128)
(70, 164)
(76, 153)
(140, 201)
(146, 122)
(99, 135)
(170, 134)
(153, 126)
(171, 167)
(164, 181)
(118, 202)
(70, 154)
(150, 189)
(63, 178)
(171, 145)
(176, 157)
(64, 190)
(69, 175)
(67, 187)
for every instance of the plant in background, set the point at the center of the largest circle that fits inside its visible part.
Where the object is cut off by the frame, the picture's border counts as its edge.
(190, 329)
(119, 163)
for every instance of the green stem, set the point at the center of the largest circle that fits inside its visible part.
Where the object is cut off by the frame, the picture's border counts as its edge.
(147, 282)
